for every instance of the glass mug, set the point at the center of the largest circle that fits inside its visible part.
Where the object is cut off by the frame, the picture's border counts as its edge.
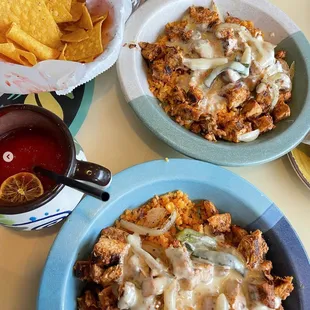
(56, 204)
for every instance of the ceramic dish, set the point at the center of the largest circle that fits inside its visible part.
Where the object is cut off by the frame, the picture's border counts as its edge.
(249, 208)
(300, 160)
(149, 21)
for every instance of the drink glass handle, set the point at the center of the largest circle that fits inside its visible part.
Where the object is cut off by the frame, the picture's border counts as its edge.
(93, 173)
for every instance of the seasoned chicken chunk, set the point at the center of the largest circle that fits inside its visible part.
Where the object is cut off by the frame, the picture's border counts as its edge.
(266, 267)
(280, 54)
(220, 223)
(285, 95)
(203, 273)
(263, 123)
(181, 262)
(234, 294)
(253, 247)
(108, 255)
(207, 209)
(236, 234)
(245, 23)
(281, 111)
(236, 94)
(107, 300)
(203, 15)
(264, 98)
(234, 128)
(283, 287)
(177, 30)
(262, 292)
(82, 270)
(87, 301)
(252, 109)
(150, 51)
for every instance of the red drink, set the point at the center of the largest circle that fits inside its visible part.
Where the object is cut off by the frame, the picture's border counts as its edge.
(32, 147)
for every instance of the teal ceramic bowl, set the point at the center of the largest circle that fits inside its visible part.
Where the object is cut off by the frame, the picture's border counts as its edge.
(148, 22)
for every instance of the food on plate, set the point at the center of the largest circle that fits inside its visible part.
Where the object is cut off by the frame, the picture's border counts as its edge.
(219, 77)
(37, 30)
(20, 151)
(173, 253)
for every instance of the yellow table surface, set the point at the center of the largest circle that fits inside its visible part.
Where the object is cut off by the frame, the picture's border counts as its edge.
(113, 136)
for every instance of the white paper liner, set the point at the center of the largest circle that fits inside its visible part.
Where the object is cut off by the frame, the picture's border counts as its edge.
(63, 76)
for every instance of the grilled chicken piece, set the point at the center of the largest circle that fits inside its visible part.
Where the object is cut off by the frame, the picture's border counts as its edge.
(236, 94)
(154, 286)
(252, 109)
(220, 223)
(253, 247)
(150, 51)
(263, 123)
(108, 256)
(177, 30)
(262, 292)
(87, 301)
(281, 111)
(283, 287)
(203, 15)
(234, 294)
(181, 262)
(107, 300)
(203, 273)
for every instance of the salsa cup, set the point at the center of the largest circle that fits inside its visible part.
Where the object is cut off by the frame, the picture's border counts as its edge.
(56, 204)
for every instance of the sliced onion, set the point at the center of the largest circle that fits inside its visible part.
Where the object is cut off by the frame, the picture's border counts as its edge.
(275, 95)
(292, 70)
(282, 80)
(222, 303)
(249, 136)
(215, 8)
(204, 63)
(170, 296)
(246, 58)
(135, 242)
(141, 230)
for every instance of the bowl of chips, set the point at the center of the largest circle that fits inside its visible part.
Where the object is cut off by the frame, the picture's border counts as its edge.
(57, 45)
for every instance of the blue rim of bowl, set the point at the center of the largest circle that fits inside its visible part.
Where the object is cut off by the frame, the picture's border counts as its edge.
(54, 278)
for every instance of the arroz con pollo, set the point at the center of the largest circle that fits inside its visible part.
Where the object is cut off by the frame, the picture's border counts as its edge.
(219, 78)
(174, 254)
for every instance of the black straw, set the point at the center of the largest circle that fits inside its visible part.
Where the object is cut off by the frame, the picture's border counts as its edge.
(85, 188)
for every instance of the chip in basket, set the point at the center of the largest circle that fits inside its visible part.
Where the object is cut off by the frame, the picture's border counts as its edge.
(35, 30)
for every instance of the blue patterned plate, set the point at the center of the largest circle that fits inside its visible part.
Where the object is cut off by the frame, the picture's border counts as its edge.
(132, 187)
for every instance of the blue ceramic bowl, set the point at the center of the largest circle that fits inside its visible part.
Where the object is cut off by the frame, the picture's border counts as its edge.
(132, 187)
(149, 21)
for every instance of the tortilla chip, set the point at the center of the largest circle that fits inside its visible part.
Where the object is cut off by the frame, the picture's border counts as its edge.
(33, 17)
(62, 54)
(87, 60)
(29, 43)
(97, 18)
(77, 11)
(90, 47)
(75, 36)
(60, 9)
(71, 28)
(2, 38)
(85, 21)
(22, 57)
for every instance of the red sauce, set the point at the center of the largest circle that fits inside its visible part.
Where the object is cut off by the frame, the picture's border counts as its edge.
(32, 147)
